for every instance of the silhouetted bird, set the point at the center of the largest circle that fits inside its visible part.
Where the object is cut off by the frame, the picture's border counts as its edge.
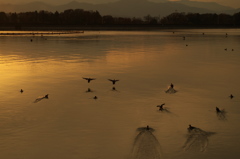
(89, 79)
(191, 127)
(95, 97)
(161, 106)
(231, 96)
(21, 91)
(218, 110)
(41, 98)
(46, 96)
(113, 81)
(171, 85)
(225, 49)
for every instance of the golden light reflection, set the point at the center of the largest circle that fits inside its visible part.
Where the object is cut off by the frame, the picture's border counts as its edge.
(141, 56)
(16, 70)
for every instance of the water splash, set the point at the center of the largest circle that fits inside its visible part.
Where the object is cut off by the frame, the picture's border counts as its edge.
(165, 110)
(197, 139)
(146, 145)
(171, 90)
(41, 98)
(221, 115)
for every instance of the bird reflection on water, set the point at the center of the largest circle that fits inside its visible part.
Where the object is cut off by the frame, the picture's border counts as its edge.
(89, 90)
(114, 89)
(146, 145)
(197, 139)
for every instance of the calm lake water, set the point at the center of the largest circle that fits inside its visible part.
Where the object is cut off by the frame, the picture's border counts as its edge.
(70, 124)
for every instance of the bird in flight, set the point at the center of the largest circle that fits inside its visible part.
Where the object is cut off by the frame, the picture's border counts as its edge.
(161, 106)
(89, 79)
(113, 80)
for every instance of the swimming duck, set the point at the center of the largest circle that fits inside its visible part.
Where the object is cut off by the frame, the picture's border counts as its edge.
(191, 127)
(218, 110)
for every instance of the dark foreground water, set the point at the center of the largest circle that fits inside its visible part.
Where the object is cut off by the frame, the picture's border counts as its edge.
(71, 124)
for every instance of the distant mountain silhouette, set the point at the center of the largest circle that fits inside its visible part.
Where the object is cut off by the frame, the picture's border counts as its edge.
(126, 8)
(206, 5)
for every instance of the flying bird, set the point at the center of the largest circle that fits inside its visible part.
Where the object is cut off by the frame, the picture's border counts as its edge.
(89, 79)
(161, 106)
(113, 80)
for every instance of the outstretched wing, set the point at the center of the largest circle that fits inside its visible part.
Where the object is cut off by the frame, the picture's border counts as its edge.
(89, 78)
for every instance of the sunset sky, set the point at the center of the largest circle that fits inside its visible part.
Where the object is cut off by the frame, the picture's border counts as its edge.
(231, 3)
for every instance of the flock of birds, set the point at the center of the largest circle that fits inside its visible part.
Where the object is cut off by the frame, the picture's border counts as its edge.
(196, 138)
(89, 90)
(226, 35)
(90, 79)
(220, 113)
(170, 90)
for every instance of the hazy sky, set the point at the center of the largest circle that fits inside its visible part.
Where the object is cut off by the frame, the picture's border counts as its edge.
(231, 3)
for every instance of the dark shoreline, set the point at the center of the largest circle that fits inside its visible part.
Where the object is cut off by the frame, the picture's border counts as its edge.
(112, 28)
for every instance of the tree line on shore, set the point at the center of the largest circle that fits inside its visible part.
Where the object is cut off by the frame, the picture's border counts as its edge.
(80, 17)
